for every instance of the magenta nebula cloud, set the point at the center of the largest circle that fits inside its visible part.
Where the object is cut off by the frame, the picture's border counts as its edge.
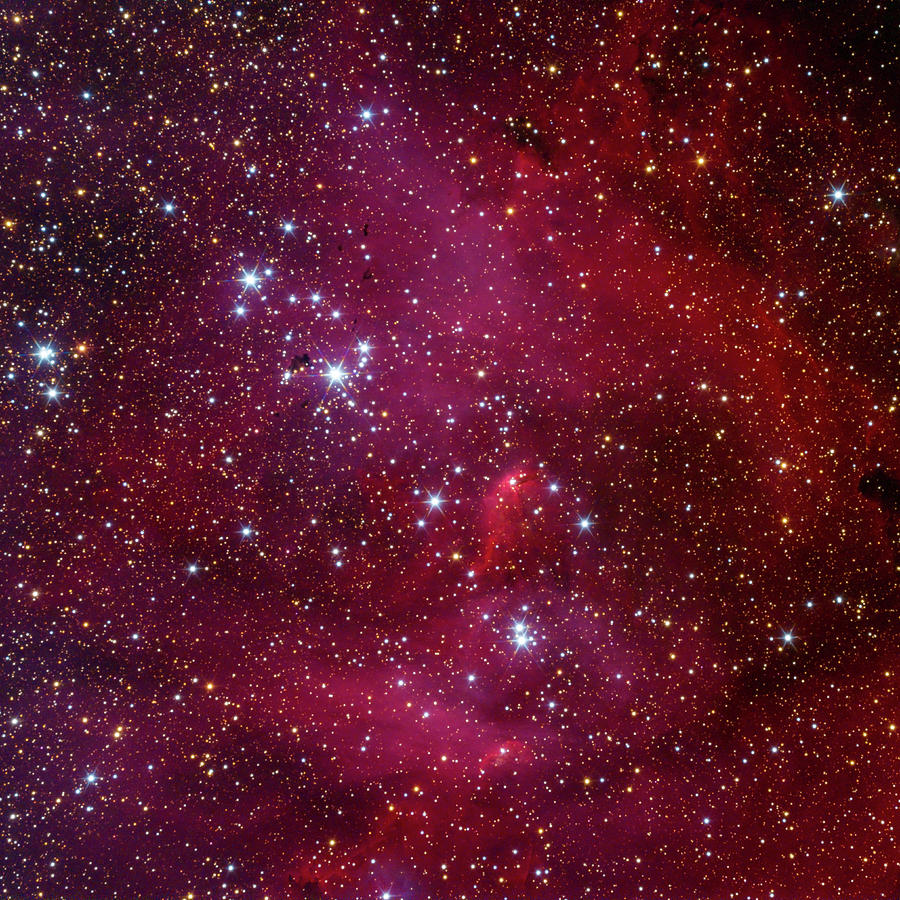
(450, 450)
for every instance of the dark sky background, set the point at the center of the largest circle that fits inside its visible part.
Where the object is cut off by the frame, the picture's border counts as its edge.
(449, 451)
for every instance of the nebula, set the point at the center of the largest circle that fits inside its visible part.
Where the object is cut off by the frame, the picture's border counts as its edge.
(450, 451)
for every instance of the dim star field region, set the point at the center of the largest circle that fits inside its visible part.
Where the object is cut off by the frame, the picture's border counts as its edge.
(450, 450)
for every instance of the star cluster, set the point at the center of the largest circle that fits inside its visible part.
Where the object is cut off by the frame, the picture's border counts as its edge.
(450, 451)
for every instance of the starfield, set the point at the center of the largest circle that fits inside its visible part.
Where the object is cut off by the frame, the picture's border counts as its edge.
(449, 450)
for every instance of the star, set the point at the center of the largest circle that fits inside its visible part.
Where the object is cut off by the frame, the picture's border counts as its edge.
(44, 354)
(335, 374)
(250, 279)
(521, 636)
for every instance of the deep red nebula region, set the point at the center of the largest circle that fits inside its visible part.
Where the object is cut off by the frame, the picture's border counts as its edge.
(450, 450)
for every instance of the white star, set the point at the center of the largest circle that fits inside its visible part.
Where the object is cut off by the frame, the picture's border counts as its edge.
(250, 279)
(521, 638)
(336, 374)
(44, 353)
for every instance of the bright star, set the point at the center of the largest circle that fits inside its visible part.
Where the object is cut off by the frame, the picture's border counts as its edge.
(435, 501)
(521, 638)
(366, 115)
(52, 393)
(250, 279)
(168, 208)
(838, 194)
(287, 227)
(336, 374)
(585, 524)
(44, 354)
(364, 347)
